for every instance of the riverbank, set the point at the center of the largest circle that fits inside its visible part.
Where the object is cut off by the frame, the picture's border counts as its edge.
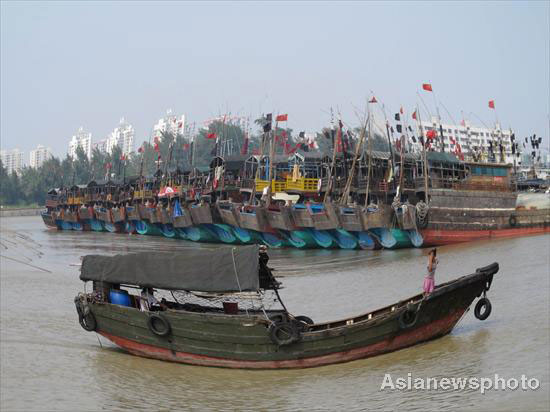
(21, 211)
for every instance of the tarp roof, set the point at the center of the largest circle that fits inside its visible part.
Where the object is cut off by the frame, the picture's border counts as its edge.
(227, 269)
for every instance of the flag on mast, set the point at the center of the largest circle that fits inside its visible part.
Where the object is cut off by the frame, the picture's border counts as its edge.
(427, 87)
(491, 104)
(414, 115)
(373, 100)
(282, 118)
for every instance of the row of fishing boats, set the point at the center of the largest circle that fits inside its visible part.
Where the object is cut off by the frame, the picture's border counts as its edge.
(232, 202)
(299, 225)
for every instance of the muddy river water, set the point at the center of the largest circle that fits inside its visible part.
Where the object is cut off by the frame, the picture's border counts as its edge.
(48, 362)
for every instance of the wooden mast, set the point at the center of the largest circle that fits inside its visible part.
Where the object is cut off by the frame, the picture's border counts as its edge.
(271, 159)
(369, 166)
(257, 175)
(345, 195)
(333, 165)
(425, 157)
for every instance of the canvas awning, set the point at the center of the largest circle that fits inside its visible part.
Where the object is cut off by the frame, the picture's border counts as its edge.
(227, 269)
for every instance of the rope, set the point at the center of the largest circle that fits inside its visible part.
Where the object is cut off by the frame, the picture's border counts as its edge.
(236, 274)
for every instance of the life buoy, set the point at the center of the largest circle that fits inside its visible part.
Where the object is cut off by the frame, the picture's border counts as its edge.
(483, 308)
(513, 220)
(408, 317)
(159, 325)
(284, 333)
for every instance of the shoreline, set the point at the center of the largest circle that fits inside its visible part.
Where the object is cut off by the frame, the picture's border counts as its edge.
(24, 211)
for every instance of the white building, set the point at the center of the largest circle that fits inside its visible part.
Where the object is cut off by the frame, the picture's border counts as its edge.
(12, 160)
(170, 123)
(82, 139)
(39, 155)
(472, 139)
(122, 136)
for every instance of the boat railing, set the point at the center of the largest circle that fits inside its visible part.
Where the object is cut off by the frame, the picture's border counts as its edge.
(302, 184)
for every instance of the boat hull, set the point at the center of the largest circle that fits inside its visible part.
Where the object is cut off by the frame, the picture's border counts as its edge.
(241, 341)
(433, 237)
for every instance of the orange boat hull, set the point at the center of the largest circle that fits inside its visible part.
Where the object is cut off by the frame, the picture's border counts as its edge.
(436, 237)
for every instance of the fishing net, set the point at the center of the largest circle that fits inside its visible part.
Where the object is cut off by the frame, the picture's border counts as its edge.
(253, 301)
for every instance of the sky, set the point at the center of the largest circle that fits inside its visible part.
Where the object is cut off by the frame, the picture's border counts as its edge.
(69, 64)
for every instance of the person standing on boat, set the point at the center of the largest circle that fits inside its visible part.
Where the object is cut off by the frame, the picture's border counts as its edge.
(147, 299)
(429, 280)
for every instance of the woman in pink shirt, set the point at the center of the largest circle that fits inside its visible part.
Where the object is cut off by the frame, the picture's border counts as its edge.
(429, 280)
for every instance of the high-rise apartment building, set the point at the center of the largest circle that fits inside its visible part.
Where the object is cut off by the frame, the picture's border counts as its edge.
(39, 155)
(82, 139)
(12, 160)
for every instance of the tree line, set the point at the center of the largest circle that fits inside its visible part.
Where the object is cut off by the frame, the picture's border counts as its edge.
(167, 154)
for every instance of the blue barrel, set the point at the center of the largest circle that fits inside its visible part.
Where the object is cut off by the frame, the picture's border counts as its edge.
(119, 297)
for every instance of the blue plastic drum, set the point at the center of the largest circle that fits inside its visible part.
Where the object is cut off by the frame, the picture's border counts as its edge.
(119, 297)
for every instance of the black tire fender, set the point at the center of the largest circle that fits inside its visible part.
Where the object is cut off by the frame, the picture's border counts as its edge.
(303, 322)
(513, 221)
(159, 325)
(407, 318)
(480, 305)
(88, 322)
(278, 317)
(284, 333)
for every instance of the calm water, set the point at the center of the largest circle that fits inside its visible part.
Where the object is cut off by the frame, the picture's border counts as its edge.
(48, 362)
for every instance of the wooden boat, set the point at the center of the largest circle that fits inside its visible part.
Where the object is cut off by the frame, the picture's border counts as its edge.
(49, 219)
(231, 336)
(253, 218)
(181, 216)
(201, 213)
(228, 212)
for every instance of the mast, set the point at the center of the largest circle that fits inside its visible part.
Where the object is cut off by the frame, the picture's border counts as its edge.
(425, 157)
(271, 159)
(266, 129)
(345, 195)
(333, 164)
(389, 142)
(369, 121)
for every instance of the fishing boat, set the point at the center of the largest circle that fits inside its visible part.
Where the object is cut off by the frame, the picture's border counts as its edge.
(213, 314)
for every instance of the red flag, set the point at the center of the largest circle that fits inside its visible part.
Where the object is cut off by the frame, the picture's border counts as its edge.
(414, 115)
(401, 110)
(186, 146)
(157, 148)
(211, 136)
(492, 104)
(282, 118)
(427, 87)
(373, 100)
(430, 134)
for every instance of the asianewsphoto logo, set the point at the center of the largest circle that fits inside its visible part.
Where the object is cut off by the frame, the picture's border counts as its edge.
(483, 384)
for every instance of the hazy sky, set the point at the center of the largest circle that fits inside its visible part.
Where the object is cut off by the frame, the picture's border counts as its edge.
(66, 64)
